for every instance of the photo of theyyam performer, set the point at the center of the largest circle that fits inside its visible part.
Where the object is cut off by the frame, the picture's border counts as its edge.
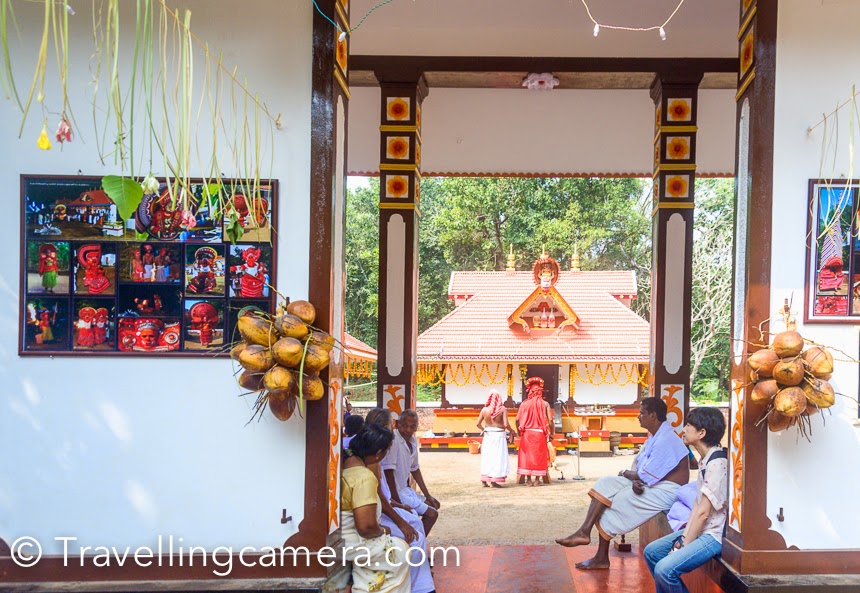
(622, 503)
(497, 433)
(533, 423)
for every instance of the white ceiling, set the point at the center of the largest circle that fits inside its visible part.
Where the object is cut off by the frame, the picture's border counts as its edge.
(701, 28)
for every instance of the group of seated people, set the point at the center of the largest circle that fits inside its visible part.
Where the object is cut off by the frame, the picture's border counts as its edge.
(384, 519)
(660, 474)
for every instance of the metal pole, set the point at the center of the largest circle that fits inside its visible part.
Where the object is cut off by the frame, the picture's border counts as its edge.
(578, 477)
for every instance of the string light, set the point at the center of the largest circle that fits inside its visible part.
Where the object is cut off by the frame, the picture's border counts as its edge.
(660, 28)
(343, 33)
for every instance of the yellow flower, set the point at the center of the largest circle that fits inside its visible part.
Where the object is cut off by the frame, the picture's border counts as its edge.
(398, 148)
(398, 109)
(679, 110)
(44, 143)
(679, 148)
(676, 186)
(397, 187)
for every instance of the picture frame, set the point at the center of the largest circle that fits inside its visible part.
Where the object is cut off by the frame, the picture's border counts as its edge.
(832, 285)
(93, 284)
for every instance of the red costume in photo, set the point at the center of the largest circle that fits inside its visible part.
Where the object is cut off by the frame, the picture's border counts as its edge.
(204, 317)
(533, 458)
(100, 326)
(204, 280)
(253, 274)
(48, 267)
(90, 257)
(137, 267)
(85, 333)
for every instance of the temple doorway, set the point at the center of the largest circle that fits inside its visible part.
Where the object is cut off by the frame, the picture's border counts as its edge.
(549, 374)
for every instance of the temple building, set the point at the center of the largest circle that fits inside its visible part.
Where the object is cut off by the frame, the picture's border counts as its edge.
(574, 329)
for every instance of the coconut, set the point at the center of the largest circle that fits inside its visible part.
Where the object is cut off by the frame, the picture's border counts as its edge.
(257, 330)
(322, 339)
(777, 422)
(787, 344)
(237, 349)
(819, 361)
(256, 358)
(251, 381)
(291, 326)
(791, 401)
(303, 310)
(288, 352)
(788, 371)
(811, 409)
(763, 361)
(764, 391)
(282, 403)
(279, 377)
(819, 392)
(316, 359)
(312, 387)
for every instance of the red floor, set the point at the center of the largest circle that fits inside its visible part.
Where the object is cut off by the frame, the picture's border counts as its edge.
(540, 569)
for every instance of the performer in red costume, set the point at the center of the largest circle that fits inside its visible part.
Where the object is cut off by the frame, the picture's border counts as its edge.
(533, 424)
(100, 326)
(90, 257)
(86, 335)
(204, 281)
(137, 270)
(252, 274)
(204, 317)
(48, 267)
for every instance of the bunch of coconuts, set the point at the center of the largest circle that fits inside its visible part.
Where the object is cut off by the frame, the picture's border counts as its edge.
(281, 357)
(791, 381)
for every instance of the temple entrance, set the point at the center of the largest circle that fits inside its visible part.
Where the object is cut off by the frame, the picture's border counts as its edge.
(549, 374)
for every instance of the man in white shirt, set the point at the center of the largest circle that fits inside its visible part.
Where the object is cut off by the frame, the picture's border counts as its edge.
(401, 462)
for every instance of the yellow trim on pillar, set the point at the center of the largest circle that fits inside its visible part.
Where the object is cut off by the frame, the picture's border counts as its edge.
(747, 22)
(679, 129)
(745, 85)
(671, 167)
(341, 14)
(342, 82)
(670, 206)
(398, 167)
(405, 206)
(402, 130)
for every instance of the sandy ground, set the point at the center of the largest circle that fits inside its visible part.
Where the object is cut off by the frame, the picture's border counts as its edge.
(514, 514)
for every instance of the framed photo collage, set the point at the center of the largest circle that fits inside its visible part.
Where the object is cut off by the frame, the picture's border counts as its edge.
(166, 282)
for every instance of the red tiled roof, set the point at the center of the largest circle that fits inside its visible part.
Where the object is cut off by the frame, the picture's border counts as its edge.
(478, 329)
(93, 197)
(355, 348)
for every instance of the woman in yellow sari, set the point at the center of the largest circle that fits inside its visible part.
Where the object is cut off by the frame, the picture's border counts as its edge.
(378, 560)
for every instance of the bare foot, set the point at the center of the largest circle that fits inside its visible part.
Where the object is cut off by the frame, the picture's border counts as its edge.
(495, 485)
(573, 540)
(538, 483)
(484, 483)
(593, 564)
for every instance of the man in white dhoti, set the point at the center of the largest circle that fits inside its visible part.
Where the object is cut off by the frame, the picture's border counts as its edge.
(624, 502)
(402, 462)
(495, 464)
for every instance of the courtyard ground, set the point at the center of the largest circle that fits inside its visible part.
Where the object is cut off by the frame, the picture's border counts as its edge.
(514, 514)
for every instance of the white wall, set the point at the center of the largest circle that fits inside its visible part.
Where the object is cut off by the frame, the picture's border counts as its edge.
(617, 395)
(476, 394)
(561, 132)
(116, 450)
(816, 68)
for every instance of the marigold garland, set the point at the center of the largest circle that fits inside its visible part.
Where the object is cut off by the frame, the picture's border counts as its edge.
(432, 374)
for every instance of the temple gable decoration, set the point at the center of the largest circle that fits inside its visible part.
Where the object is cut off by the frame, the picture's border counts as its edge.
(544, 310)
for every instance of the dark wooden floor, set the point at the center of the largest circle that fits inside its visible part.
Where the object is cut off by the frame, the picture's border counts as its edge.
(540, 569)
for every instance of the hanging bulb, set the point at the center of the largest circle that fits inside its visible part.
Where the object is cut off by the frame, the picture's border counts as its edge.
(596, 29)
(342, 36)
(662, 33)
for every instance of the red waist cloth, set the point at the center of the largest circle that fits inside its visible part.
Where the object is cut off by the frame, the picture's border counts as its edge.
(830, 279)
(533, 458)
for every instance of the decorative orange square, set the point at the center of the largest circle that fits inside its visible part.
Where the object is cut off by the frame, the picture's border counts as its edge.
(656, 195)
(397, 108)
(679, 110)
(417, 192)
(418, 117)
(656, 155)
(396, 186)
(417, 154)
(341, 51)
(678, 148)
(747, 52)
(397, 148)
(657, 119)
(678, 186)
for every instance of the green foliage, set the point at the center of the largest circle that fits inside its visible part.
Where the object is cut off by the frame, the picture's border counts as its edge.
(126, 194)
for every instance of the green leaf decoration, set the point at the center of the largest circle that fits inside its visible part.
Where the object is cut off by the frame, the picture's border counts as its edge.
(234, 228)
(126, 194)
(212, 190)
(142, 236)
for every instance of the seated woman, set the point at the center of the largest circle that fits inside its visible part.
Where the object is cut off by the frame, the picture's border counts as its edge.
(379, 560)
(402, 520)
(683, 551)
